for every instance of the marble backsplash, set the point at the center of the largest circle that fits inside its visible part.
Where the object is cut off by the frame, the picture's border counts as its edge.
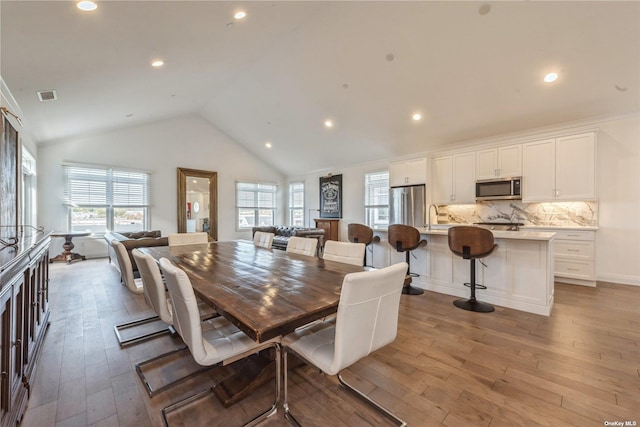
(554, 214)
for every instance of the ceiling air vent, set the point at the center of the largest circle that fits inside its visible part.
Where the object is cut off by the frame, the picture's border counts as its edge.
(47, 95)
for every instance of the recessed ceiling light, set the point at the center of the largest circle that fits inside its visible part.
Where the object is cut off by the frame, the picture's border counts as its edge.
(484, 9)
(328, 123)
(240, 14)
(157, 63)
(87, 5)
(551, 77)
(267, 144)
(416, 116)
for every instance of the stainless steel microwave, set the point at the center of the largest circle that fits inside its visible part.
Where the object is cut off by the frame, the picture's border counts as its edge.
(499, 189)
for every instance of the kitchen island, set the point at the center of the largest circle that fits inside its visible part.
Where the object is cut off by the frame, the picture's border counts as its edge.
(518, 274)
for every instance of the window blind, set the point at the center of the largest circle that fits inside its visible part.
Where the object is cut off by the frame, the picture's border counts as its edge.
(94, 186)
(85, 186)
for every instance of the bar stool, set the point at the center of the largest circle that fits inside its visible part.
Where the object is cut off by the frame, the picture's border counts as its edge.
(405, 238)
(360, 233)
(472, 243)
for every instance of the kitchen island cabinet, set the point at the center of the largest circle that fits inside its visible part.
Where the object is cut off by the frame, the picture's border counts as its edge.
(518, 274)
(574, 254)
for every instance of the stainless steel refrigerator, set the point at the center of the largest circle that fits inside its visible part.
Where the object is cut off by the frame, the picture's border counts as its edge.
(407, 205)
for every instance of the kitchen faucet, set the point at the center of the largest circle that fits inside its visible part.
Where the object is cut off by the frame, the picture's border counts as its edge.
(429, 215)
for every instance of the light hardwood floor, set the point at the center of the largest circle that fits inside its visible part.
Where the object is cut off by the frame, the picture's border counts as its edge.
(581, 366)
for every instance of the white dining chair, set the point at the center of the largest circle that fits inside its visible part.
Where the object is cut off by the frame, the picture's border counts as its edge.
(177, 239)
(263, 239)
(302, 245)
(221, 343)
(136, 286)
(156, 296)
(367, 320)
(345, 252)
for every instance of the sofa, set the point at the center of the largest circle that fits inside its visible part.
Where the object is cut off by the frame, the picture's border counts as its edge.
(281, 234)
(132, 240)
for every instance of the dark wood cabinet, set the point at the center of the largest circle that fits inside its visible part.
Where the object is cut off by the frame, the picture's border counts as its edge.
(24, 317)
(331, 228)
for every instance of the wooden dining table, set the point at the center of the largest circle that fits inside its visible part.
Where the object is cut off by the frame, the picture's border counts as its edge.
(266, 293)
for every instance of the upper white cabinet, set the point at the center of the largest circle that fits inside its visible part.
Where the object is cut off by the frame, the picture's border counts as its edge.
(559, 169)
(408, 172)
(500, 162)
(454, 179)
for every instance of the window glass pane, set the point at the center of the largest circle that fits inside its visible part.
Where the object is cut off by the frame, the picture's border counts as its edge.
(377, 199)
(266, 217)
(297, 217)
(89, 219)
(377, 217)
(246, 218)
(129, 218)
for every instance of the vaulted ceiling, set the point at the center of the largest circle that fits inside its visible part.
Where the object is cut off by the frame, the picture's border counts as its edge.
(471, 69)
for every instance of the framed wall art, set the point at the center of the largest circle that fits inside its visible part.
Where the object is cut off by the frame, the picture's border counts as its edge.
(9, 155)
(331, 196)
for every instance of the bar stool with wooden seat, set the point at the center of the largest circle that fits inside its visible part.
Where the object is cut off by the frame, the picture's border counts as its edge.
(405, 238)
(472, 243)
(360, 233)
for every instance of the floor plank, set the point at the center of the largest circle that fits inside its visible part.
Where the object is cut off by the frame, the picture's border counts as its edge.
(580, 366)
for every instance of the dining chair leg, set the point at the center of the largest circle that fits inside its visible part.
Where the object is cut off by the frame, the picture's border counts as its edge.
(287, 411)
(153, 391)
(370, 401)
(285, 405)
(138, 338)
(260, 417)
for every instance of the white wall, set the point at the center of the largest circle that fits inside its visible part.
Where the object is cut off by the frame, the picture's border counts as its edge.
(352, 193)
(618, 186)
(160, 148)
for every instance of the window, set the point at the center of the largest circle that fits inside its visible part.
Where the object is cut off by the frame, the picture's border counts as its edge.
(28, 188)
(376, 204)
(296, 204)
(102, 198)
(256, 204)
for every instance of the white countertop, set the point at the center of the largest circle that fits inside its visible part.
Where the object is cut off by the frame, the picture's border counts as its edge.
(557, 227)
(442, 230)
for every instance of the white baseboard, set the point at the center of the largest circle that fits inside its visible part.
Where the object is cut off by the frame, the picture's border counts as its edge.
(622, 279)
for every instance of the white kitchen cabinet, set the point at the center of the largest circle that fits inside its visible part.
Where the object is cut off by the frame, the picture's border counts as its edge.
(500, 162)
(575, 167)
(574, 257)
(454, 179)
(408, 172)
(559, 169)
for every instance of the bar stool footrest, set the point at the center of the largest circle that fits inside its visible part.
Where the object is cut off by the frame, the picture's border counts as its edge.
(468, 285)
